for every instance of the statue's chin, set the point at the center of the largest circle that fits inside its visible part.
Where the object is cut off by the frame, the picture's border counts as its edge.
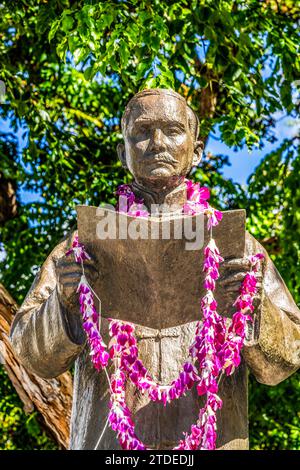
(159, 177)
(161, 172)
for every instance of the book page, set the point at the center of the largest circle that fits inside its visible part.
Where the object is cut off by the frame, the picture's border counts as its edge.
(154, 277)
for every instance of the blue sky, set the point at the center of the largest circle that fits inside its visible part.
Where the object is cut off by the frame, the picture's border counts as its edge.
(242, 162)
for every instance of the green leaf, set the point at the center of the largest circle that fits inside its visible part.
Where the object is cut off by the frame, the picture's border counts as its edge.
(61, 49)
(67, 23)
(88, 72)
(124, 53)
(54, 28)
(80, 54)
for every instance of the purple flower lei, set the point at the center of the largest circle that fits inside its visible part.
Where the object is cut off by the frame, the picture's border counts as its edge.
(216, 348)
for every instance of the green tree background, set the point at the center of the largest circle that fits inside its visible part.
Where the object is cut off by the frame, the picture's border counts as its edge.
(69, 68)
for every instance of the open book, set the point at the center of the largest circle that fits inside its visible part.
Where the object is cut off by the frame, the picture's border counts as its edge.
(151, 268)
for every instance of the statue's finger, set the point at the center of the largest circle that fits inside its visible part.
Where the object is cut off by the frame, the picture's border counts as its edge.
(71, 266)
(69, 284)
(234, 287)
(227, 279)
(65, 262)
(236, 263)
(67, 277)
(232, 278)
(61, 272)
(71, 259)
(62, 264)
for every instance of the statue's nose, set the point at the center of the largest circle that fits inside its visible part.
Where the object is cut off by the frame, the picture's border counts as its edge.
(157, 142)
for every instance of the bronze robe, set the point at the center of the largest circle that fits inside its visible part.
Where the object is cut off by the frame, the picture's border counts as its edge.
(48, 339)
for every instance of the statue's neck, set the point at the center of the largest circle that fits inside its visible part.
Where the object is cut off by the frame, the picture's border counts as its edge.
(170, 199)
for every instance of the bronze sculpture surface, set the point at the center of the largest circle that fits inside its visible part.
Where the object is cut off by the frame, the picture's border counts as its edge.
(160, 134)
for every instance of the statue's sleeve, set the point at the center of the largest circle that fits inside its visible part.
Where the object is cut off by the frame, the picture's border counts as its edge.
(44, 335)
(273, 351)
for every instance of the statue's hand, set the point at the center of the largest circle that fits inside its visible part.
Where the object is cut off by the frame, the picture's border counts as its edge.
(68, 274)
(232, 273)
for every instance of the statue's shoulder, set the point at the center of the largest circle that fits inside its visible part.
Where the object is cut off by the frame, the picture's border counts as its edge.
(253, 246)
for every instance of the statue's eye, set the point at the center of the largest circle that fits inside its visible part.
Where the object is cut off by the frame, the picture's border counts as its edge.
(172, 131)
(142, 131)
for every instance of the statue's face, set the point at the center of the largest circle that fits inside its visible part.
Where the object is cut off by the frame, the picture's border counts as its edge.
(159, 145)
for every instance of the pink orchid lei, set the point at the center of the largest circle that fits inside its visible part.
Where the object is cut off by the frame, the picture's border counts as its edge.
(216, 348)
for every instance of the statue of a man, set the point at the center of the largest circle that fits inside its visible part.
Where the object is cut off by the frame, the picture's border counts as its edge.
(160, 133)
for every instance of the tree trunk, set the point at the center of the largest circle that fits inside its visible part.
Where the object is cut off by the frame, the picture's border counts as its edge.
(52, 398)
(8, 202)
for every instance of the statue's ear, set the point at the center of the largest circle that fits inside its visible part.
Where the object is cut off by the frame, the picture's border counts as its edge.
(198, 151)
(122, 155)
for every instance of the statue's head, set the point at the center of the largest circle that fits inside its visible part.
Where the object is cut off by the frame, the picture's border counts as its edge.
(160, 138)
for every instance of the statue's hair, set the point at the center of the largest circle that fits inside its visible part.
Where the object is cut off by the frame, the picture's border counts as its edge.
(193, 120)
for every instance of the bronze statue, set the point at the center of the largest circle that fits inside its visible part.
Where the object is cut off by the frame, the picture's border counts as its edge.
(160, 134)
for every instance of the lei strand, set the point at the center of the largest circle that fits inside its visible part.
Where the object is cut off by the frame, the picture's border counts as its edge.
(216, 347)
